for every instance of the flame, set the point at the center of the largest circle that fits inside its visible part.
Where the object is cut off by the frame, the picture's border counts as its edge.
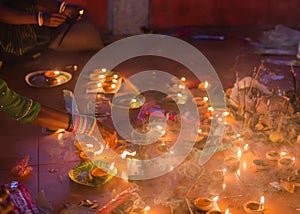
(244, 165)
(262, 201)
(224, 185)
(210, 109)
(225, 113)
(227, 211)
(206, 84)
(282, 154)
(125, 153)
(215, 199)
(147, 208)
(239, 153)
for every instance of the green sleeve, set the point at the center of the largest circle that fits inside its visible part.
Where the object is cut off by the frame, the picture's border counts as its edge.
(19, 108)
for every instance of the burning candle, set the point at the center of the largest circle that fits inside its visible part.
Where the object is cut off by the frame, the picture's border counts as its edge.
(218, 175)
(147, 209)
(273, 155)
(203, 203)
(215, 209)
(233, 162)
(52, 74)
(244, 165)
(246, 147)
(52, 77)
(286, 162)
(227, 211)
(262, 202)
(283, 154)
(125, 153)
(255, 206)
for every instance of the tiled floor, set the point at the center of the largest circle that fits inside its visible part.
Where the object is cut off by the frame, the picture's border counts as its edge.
(53, 156)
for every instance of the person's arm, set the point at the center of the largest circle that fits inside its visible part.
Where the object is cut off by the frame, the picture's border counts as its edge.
(51, 118)
(12, 16)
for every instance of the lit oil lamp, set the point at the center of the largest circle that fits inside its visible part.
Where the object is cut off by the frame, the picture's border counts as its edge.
(255, 207)
(273, 155)
(218, 175)
(203, 204)
(232, 162)
(215, 209)
(52, 77)
(204, 85)
(227, 211)
(286, 162)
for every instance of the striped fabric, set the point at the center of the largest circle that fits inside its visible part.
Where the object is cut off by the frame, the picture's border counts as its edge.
(16, 40)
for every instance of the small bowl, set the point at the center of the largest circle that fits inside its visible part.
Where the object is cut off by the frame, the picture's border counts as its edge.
(253, 207)
(260, 164)
(295, 179)
(203, 203)
(98, 175)
(52, 77)
(286, 162)
(217, 175)
(232, 163)
(273, 155)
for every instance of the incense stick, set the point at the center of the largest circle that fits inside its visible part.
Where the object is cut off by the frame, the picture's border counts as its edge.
(255, 76)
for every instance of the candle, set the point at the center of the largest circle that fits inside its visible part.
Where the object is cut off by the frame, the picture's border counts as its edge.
(239, 153)
(52, 77)
(218, 175)
(262, 202)
(233, 162)
(286, 162)
(203, 203)
(147, 209)
(51, 74)
(273, 155)
(125, 153)
(227, 211)
(254, 206)
(224, 186)
(211, 109)
(215, 209)
(244, 165)
(283, 154)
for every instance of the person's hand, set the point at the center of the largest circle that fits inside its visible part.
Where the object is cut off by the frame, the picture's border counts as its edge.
(73, 12)
(109, 135)
(53, 19)
(88, 125)
(5, 205)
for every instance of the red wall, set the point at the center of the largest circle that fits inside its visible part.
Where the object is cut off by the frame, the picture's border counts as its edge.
(96, 11)
(174, 13)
